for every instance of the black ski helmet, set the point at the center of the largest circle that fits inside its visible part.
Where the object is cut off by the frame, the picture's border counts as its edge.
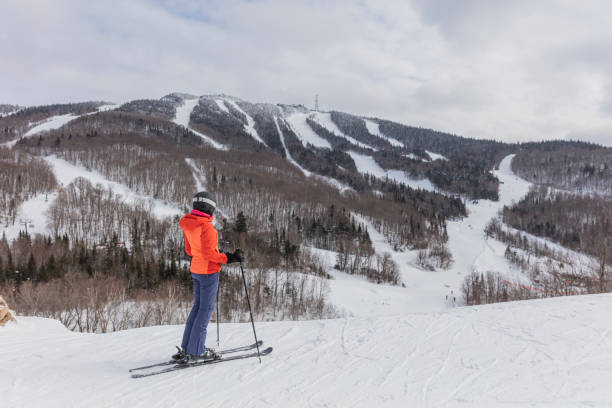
(205, 202)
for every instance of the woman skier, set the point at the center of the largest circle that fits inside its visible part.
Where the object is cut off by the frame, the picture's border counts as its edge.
(201, 243)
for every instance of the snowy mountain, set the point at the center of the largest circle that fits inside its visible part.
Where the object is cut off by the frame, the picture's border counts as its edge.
(363, 238)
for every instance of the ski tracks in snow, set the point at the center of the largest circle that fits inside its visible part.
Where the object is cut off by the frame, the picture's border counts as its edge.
(516, 354)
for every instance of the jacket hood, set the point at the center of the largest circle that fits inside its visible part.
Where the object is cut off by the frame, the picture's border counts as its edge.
(190, 221)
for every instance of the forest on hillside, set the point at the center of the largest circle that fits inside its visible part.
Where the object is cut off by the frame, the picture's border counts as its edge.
(280, 199)
(574, 166)
(560, 241)
(266, 206)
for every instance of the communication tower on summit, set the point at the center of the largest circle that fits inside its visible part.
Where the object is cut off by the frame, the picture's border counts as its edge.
(317, 102)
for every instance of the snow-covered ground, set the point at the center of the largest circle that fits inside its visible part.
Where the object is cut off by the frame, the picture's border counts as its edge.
(304, 132)
(331, 181)
(427, 291)
(549, 353)
(367, 165)
(66, 172)
(435, 156)
(221, 105)
(466, 237)
(35, 210)
(374, 129)
(54, 122)
(287, 153)
(249, 127)
(324, 119)
(182, 118)
(397, 347)
(107, 107)
(5, 114)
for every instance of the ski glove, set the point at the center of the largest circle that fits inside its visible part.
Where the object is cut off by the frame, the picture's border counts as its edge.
(236, 256)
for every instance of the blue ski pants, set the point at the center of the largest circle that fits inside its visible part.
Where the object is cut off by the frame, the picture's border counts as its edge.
(204, 293)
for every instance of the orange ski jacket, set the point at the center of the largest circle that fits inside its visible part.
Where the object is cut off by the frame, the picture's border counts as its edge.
(202, 244)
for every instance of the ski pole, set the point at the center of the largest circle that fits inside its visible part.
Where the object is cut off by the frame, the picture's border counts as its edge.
(217, 317)
(250, 312)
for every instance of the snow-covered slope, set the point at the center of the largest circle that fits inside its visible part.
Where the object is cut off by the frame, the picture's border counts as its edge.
(466, 237)
(52, 123)
(426, 291)
(551, 353)
(367, 165)
(324, 119)
(398, 346)
(287, 153)
(35, 210)
(435, 156)
(221, 105)
(333, 182)
(66, 172)
(300, 127)
(183, 114)
(249, 127)
(374, 129)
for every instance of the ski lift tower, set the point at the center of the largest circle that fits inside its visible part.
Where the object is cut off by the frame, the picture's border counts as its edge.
(25, 222)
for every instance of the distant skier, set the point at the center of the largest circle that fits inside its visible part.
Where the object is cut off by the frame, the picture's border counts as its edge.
(201, 243)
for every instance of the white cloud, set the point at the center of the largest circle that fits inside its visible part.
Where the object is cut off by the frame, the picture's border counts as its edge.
(513, 71)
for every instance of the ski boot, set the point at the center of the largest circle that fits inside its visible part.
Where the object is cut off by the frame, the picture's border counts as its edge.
(179, 355)
(208, 355)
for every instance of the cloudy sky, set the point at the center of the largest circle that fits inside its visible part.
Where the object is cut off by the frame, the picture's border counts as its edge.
(508, 70)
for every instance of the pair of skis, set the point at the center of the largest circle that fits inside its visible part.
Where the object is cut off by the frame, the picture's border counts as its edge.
(174, 366)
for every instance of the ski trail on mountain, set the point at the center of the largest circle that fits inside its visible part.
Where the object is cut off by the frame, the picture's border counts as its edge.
(66, 173)
(331, 181)
(367, 165)
(287, 154)
(298, 124)
(324, 119)
(249, 127)
(467, 241)
(374, 130)
(183, 117)
(52, 123)
(427, 291)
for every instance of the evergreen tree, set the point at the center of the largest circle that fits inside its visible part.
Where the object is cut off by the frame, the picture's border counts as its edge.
(51, 268)
(241, 223)
(30, 271)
